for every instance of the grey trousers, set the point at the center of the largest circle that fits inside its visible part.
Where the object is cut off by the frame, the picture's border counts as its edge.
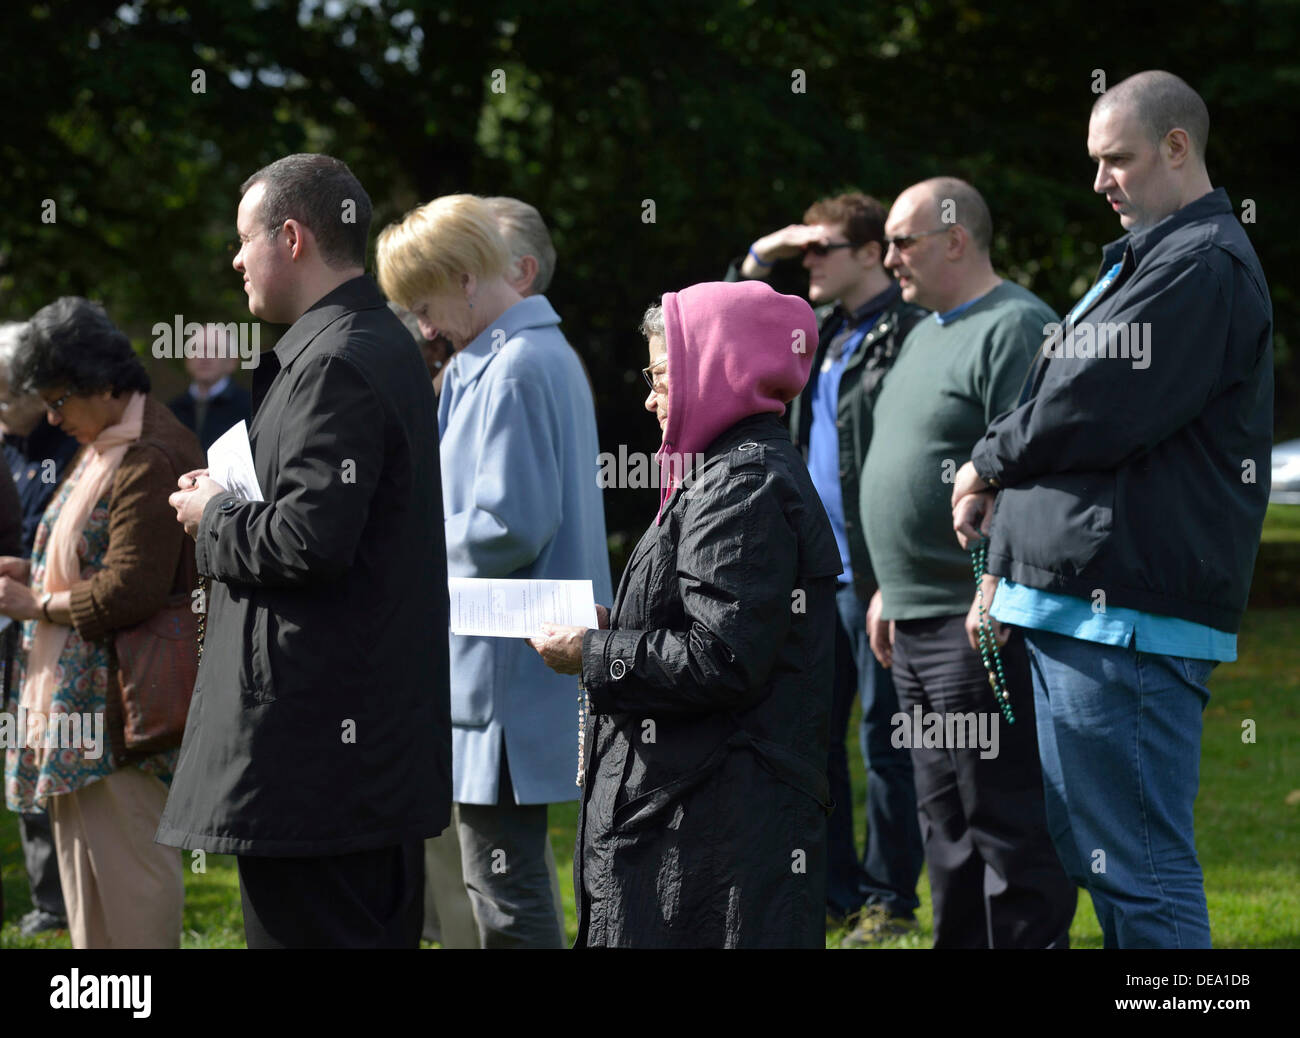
(42, 865)
(505, 852)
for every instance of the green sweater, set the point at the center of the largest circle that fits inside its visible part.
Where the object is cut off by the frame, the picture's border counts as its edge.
(948, 383)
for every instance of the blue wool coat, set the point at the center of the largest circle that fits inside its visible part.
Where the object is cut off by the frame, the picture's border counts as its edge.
(521, 498)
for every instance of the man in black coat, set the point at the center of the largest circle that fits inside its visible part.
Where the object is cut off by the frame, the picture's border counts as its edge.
(318, 747)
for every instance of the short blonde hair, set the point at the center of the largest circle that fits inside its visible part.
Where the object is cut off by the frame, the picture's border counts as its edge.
(433, 245)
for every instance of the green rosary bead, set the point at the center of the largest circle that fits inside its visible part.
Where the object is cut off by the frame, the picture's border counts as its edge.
(988, 640)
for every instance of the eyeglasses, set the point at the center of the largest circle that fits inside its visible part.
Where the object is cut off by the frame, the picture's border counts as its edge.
(654, 379)
(234, 246)
(905, 241)
(57, 406)
(818, 249)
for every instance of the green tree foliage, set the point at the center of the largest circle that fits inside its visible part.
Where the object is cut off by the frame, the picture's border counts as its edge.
(730, 116)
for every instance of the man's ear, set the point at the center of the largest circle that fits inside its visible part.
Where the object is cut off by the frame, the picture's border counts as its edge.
(958, 243)
(295, 235)
(1177, 147)
(870, 254)
(527, 268)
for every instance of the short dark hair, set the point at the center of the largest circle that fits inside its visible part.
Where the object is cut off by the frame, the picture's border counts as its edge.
(71, 344)
(862, 216)
(1162, 102)
(314, 190)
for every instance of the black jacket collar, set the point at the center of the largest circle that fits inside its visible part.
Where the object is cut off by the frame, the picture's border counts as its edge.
(871, 307)
(360, 293)
(1140, 243)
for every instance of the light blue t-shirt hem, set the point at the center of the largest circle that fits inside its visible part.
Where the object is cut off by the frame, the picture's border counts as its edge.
(1075, 618)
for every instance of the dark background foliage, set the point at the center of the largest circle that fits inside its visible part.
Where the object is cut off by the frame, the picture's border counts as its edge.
(605, 106)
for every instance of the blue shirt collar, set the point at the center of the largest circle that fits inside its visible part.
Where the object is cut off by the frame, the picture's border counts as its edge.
(957, 311)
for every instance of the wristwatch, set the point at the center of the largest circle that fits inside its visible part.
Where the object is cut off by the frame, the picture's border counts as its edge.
(45, 606)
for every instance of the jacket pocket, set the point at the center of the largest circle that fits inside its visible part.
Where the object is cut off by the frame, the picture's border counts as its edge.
(1058, 523)
(475, 672)
(659, 805)
(262, 682)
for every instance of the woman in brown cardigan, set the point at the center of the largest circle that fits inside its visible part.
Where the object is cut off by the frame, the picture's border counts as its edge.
(107, 556)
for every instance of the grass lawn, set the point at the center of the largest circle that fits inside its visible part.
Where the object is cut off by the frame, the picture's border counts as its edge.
(1247, 815)
(1282, 524)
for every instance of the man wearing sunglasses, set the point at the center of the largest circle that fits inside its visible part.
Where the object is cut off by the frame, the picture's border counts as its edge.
(862, 323)
(995, 880)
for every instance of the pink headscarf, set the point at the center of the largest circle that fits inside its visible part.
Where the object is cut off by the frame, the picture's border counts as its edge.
(735, 349)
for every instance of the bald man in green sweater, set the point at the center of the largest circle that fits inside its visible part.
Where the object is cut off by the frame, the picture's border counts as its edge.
(995, 878)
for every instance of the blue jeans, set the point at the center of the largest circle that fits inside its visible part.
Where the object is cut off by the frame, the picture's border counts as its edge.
(891, 863)
(1119, 734)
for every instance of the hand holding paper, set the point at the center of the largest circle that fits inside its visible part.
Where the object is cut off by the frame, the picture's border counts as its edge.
(494, 608)
(230, 463)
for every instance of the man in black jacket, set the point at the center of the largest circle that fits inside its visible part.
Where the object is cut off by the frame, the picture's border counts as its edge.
(318, 747)
(862, 324)
(1129, 510)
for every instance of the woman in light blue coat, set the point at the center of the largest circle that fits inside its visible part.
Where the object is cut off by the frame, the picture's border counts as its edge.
(521, 498)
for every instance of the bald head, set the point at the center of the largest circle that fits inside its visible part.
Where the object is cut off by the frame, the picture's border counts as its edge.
(953, 201)
(1161, 102)
(939, 232)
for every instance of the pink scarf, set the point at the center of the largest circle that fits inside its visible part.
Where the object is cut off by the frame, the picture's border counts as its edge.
(91, 481)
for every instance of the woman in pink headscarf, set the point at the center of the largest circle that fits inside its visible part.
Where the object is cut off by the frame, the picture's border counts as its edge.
(704, 738)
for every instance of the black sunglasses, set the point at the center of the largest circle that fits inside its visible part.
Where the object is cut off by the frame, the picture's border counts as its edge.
(818, 249)
(903, 242)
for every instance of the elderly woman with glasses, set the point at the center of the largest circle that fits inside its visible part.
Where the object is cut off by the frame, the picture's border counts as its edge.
(704, 802)
(107, 556)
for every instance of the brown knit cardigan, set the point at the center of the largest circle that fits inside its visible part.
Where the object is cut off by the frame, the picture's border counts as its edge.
(149, 555)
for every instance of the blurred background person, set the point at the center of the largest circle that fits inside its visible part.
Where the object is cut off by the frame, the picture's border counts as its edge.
(518, 446)
(214, 402)
(710, 690)
(448, 914)
(862, 322)
(107, 555)
(38, 454)
(435, 352)
(532, 253)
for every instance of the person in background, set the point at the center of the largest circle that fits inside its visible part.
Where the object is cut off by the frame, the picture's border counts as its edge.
(862, 322)
(38, 454)
(107, 556)
(448, 914)
(532, 253)
(518, 446)
(213, 403)
(435, 352)
(704, 800)
(995, 879)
